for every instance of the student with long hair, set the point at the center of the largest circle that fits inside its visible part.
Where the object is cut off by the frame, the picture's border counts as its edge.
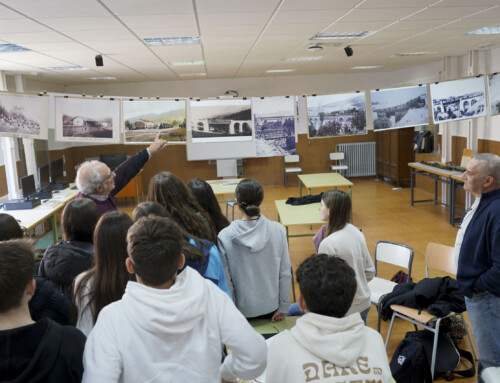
(201, 254)
(63, 261)
(346, 241)
(168, 190)
(204, 195)
(254, 252)
(106, 281)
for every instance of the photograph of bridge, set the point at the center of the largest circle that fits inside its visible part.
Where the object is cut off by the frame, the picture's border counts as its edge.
(221, 120)
(458, 100)
(23, 116)
(143, 120)
(399, 107)
(336, 115)
(494, 93)
(274, 122)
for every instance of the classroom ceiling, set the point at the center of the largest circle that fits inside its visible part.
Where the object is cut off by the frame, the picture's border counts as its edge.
(238, 38)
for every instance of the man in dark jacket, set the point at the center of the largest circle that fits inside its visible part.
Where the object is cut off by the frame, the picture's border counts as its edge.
(96, 181)
(477, 250)
(42, 351)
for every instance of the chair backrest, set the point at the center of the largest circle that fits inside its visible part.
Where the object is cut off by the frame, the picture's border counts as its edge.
(440, 257)
(394, 253)
(293, 158)
(336, 156)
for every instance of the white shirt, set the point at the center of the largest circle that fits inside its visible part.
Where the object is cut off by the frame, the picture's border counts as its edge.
(463, 227)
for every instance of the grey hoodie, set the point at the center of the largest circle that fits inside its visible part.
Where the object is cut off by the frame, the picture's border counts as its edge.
(257, 265)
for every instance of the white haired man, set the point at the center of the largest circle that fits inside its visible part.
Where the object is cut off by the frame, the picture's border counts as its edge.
(477, 250)
(96, 181)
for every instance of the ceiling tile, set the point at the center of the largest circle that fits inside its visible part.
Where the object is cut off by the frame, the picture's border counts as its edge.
(47, 8)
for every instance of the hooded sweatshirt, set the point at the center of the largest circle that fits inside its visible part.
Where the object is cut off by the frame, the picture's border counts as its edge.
(173, 335)
(44, 352)
(257, 265)
(325, 349)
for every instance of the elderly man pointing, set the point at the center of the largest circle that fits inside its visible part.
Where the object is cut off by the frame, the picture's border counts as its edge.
(96, 181)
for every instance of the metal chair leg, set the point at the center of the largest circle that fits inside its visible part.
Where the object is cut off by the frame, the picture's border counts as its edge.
(390, 330)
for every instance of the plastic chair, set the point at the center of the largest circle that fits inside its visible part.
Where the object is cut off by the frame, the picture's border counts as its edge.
(438, 257)
(337, 162)
(292, 159)
(395, 254)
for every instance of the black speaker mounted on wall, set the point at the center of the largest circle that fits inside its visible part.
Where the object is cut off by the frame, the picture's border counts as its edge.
(348, 51)
(98, 60)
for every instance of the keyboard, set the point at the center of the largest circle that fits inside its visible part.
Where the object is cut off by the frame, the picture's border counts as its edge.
(49, 204)
(444, 166)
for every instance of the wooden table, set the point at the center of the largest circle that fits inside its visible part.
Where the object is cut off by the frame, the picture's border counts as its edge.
(30, 218)
(323, 180)
(265, 326)
(224, 186)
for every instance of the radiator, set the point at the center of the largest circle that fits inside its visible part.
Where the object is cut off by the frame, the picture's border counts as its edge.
(360, 158)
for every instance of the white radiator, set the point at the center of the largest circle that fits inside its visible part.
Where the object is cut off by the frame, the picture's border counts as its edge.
(360, 157)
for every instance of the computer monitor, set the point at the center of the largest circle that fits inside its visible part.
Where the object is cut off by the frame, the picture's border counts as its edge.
(44, 177)
(56, 170)
(28, 185)
(113, 159)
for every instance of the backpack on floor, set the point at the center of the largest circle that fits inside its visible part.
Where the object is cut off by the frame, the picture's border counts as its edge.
(409, 362)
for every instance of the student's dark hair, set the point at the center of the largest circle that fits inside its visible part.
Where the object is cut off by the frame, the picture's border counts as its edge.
(168, 190)
(16, 271)
(328, 285)
(340, 208)
(109, 277)
(154, 245)
(150, 208)
(79, 219)
(9, 228)
(250, 194)
(204, 195)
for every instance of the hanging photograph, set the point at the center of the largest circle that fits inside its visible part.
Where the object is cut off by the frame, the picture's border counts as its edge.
(143, 120)
(399, 107)
(494, 93)
(221, 120)
(458, 100)
(23, 115)
(336, 115)
(274, 123)
(87, 120)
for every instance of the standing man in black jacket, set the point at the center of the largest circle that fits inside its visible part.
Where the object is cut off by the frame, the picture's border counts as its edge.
(477, 251)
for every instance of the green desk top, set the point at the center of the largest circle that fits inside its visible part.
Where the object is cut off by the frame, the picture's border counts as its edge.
(320, 180)
(265, 326)
(298, 215)
(224, 186)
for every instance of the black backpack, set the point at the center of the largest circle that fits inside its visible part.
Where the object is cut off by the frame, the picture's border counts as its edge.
(409, 363)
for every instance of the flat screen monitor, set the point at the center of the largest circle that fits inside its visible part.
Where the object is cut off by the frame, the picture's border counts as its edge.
(113, 159)
(28, 185)
(56, 170)
(44, 177)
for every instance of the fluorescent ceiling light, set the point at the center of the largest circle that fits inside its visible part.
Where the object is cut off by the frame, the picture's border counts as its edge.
(183, 63)
(280, 70)
(12, 48)
(306, 58)
(485, 31)
(102, 78)
(410, 54)
(192, 74)
(340, 35)
(159, 41)
(366, 67)
(63, 68)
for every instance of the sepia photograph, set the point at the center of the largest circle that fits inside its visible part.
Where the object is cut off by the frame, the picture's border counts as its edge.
(336, 115)
(87, 120)
(221, 120)
(23, 115)
(494, 93)
(399, 107)
(143, 120)
(274, 123)
(458, 100)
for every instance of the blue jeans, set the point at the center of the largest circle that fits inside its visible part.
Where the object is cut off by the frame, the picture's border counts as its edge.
(484, 315)
(294, 310)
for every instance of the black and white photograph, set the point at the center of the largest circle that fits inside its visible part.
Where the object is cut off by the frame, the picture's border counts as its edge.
(399, 107)
(143, 120)
(458, 100)
(494, 93)
(221, 120)
(274, 122)
(87, 120)
(24, 115)
(336, 115)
